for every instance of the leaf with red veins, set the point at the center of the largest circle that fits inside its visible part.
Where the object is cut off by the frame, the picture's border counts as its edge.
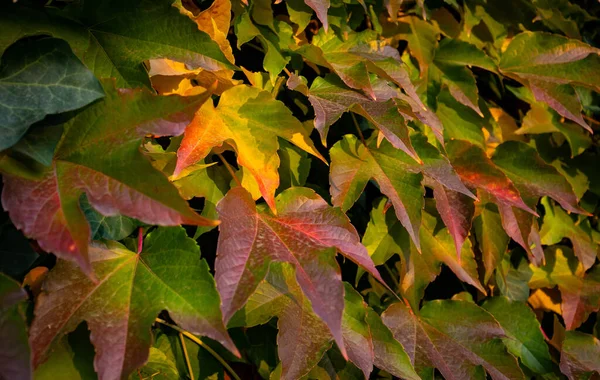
(526, 169)
(251, 121)
(122, 182)
(477, 170)
(305, 233)
(533, 178)
(120, 308)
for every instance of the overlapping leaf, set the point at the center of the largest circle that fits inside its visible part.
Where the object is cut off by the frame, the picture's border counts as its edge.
(353, 164)
(114, 38)
(455, 337)
(117, 307)
(250, 120)
(47, 209)
(306, 233)
(38, 78)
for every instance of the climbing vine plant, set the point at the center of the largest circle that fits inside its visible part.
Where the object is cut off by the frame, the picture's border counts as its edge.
(317, 189)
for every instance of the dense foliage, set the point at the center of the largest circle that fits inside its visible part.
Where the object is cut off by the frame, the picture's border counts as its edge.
(318, 189)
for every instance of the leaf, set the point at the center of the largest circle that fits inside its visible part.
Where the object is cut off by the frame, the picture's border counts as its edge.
(113, 38)
(39, 77)
(578, 355)
(213, 21)
(421, 37)
(550, 57)
(456, 210)
(420, 269)
(524, 337)
(460, 122)
(580, 291)
(330, 98)
(251, 120)
(541, 119)
(14, 350)
(122, 182)
(461, 53)
(132, 289)
(453, 336)
(304, 233)
(115, 227)
(357, 334)
(303, 337)
(451, 57)
(478, 171)
(353, 59)
(549, 63)
(384, 235)
(389, 353)
(295, 165)
(353, 164)
(39, 142)
(558, 225)
(491, 237)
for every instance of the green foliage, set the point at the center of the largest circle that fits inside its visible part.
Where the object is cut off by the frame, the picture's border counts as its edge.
(400, 189)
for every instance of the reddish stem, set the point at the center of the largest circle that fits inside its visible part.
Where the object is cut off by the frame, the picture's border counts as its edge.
(140, 240)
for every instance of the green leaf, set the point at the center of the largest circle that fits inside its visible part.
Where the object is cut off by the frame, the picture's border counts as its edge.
(132, 289)
(524, 337)
(384, 235)
(113, 38)
(295, 165)
(420, 269)
(558, 225)
(453, 336)
(491, 237)
(353, 164)
(14, 350)
(578, 358)
(115, 227)
(39, 77)
(552, 58)
(461, 53)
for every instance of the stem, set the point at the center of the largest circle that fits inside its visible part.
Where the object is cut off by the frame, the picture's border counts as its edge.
(140, 240)
(256, 47)
(285, 70)
(590, 119)
(392, 276)
(362, 138)
(200, 343)
(229, 169)
(187, 358)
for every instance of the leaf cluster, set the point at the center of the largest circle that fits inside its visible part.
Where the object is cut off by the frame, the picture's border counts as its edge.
(318, 189)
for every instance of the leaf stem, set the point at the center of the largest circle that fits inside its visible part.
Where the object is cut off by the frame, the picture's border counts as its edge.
(229, 169)
(200, 343)
(186, 356)
(140, 240)
(362, 138)
(256, 47)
